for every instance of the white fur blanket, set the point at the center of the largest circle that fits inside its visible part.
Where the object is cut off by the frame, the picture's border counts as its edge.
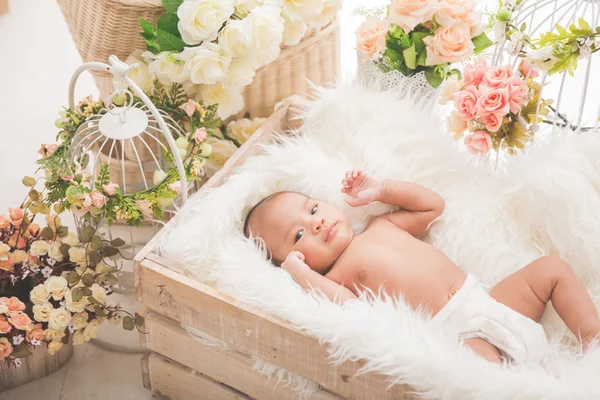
(547, 203)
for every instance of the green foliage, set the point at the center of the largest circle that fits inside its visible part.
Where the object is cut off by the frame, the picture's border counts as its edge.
(103, 177)
(481, 43)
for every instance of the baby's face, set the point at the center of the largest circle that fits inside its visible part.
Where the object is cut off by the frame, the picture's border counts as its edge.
(291, 221)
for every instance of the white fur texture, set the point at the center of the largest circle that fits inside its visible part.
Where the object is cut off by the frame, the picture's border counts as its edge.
(546, 203)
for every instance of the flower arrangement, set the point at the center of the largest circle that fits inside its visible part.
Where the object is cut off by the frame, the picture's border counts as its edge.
(69, 186)
(214, 47)
(497, 108)
(552, 52)
(54, 283)
(423, 35)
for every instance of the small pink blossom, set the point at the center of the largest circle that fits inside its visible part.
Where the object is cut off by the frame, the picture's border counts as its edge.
(175, 186)
(200, 135)
(493, 101)
(87, 201)
(47, 150)
(455, 124)
(518, 92)
(189, 107)
(98, 199)
(16, 216)
(497, 77)
(525, 68)
(479, 142)
(465, 102)
(110, 189)
(371, 35)
(492, 122)
(473, 73)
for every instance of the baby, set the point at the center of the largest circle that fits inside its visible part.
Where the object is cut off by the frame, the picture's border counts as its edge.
(314, 242)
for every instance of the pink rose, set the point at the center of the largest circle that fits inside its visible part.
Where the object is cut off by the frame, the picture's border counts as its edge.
(16, 216)
(20, 321)
(189, 107)
(450, 87)
(497, 76)
(454, 8)
(518, 93)
(479, 143)
(4, 222)
(5, 348)
(525, 68)
(410, 13)
(36, 332)
(14, 304)
(175, 186)
(449, 44)
(110, 189)
(87, 201)
(98, 199)
(5, 327)
(455, 123)
(465, 102)
(200, 135)
(473, 74)
(371, 35)
(65, 177)
(47, 150)
(492, 122)
(493, 101)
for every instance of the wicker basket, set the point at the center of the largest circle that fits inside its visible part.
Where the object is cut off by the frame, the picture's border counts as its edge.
(101, 28)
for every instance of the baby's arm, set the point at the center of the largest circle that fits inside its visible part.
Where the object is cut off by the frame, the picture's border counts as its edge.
(309, 279)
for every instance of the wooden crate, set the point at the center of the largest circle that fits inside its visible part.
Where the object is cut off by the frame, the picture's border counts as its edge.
(175, 300)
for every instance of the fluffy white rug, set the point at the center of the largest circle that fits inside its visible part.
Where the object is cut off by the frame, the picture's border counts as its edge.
(546, 202)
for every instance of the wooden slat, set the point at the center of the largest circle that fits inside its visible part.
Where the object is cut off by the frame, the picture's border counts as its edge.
(3, 7)
(146, 371)
(173, 380)
(255, 332)
(230, 367)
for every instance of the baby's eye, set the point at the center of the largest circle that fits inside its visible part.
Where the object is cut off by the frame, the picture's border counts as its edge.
(314, 210)
(298, 236)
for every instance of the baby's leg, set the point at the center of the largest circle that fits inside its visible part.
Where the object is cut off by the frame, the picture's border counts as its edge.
(549, 278)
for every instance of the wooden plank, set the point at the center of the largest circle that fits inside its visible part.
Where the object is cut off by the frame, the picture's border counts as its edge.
(253, 331)
(4, 7)
(228, 366)
(146, 371)
(276, 123)
(173, 380)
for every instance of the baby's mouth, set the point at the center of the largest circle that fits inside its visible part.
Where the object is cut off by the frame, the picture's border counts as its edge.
(330, 231)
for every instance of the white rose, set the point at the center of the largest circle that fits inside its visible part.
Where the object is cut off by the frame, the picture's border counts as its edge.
(98, 293)
(293, 32)
(54, 347)
(54, 334)
(167, 65)
(75, 306)
(221, 151)
(236, 38)
(4, 250)
(59, 319)
(206, 64)
(245, 6)
(78, 255)
(302, 10)
(330, 10)
(41, 312)
(80, 320)
(242, 129)
(78, 337)
(543, 58)
(39, 294)
(140, 75)
(200, 20)
(241, 73)
(91, 329)
(54, 251)
(230, 100)
(267, 33)
(38, 248)
(71, 239)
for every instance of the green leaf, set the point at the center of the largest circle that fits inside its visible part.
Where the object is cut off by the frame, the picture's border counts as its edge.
(92, 300)
(87, 234)
(28, 181)
(47, 233)
(95, 257)
(455, 72)
(422, 59)
(523, 27)
(21, 351)
(34, 194)
(139, 320)
(417, 39)
(168, 23)
(109, 251)
(86, 291)
(64, 249)
(148, 28)
(77, 294)
(169, 42)
(88, 279)
(562, 31)
(73, 278)
(96, 243)
(118, 242)
(433, 77)
(410, 57)
(99, 311)
(598, 29)
(111, 279)
(172, 5)
(481, 42)
(62, 231)
(128, 323)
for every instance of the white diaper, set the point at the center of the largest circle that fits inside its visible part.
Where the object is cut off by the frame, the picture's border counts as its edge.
(472, 312)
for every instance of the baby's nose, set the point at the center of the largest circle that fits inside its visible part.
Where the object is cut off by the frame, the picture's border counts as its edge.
(319, 224)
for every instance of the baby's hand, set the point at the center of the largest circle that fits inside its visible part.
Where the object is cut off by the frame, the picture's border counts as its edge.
(361, 188)
(294, 263)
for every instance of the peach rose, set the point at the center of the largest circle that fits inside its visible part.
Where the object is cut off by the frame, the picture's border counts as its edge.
(7, 264)
(518, 93)
(492, 122)
(4, 222)
(525, 68)
(16, 216)
(189, 107)
(32, 230)
(200, 135)
(479, 142)
(473, 19)
(473, 73)
(13, 304)
(465, 102)
(370, 36)
(450, 87)
(454, 8)
(110, 189)
(493, 101)
(20, 321)
(5, 327)
(410, 13)
(98, 199)
(456, 124)
(497, 76)
(5, 348)
(449, 44)
(36, 332)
